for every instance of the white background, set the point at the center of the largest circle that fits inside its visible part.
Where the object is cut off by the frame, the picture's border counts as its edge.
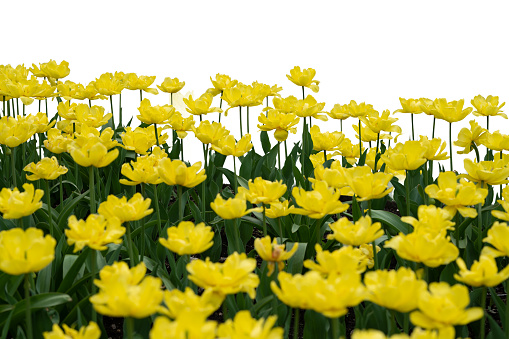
(372, 51)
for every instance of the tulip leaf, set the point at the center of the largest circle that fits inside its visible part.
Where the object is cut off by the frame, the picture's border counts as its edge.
(264, 138)
(71, 274)
(295, 263)
(448, 272)
(7, 324)
(501, 306)
(315, 325)
(391, 220)
(68, 209)
(37, 302)
(495, 330)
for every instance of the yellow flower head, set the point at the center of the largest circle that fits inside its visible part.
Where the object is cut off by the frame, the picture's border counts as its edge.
(333, 176)
(244, 326)
(201, 105)
(15, 204)
(363, 231)
(410, 106)
(221, 83)
(309, 107)
(496, 141)
(450, 111)
(231, 277)
(56, 141)
(134, 82)
(125, 292)
(322, 200)
(181, 125)
(273, 253)
(345, 260)
(185, 327)
(325, 141)
(188, 238)
(497, 237)
(91, 331)
(15, 131)
(456, 196)
(378, 123)
(133, 209)
(263, 191)
(144, 169)
(493, 172)
(487, 107)
(367, 135)
(92, 116)
(95, 232)
(26, 251)
(210, 133)
(69, 90)
(66, 110)
(89, 92)
(232, 208)
(432, 219)
(228, 146)
(285, 105)
(366, 184)
(282, 123)
(304, 78)
(40, 120)
(435, 148)
(339, 112)
(430, 249)
(482, 273)
(319, 158)
(279, 209)
(359, 110)
(396, 289)
(170, 85)
(154, 114)
(445, 306)
(179, 304)
(176, 172)
(141, 139)
(109, 84)
(46, 168)
(350, 151)
(91, 151)
(407, 156)
(51, 69)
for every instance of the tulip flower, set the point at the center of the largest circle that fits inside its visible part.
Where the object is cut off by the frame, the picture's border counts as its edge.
(431, 219)
(181, 125)
(91, 331)
(201, 105)
(109, 84)
(231, 277)
(366, 184)
(210, 133)
(334, 176)
(412, 106)
(185, 327)
(396, 289)
(46, 168)
(144, 169)
(51, 69)
(92, 116)
(141, 83)
(279, 209)
(232, 208)
(188, 238)
(345, 260)
(349, 151)
(496, 141)
(325, 141)
(14, 132)
(25, 251)
(322, 200)
(304, 78)
(89, 92)
(309, 107)
(228, 146)
(125, 292)
(170, 85)
(95, 232)
(482, 273)
(493, 172)
(40, 120)
(435, 148)
(262, 191)
(179, 304)
(244, 326)
(15, 204)
(154, 114)
(133, 209)
(175, 172)
(367, 135)
(91, 151)
(282, 123)
(407, 156)
(486, 107)
(285, 105)
(497, 237)
(363, 231)
(273, 253)
(444, 306)
(221, 83)
(339, 112)
(140, 140)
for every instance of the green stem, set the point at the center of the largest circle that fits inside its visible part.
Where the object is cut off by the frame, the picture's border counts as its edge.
(91, 187)
(141, 95)
(335, 327)
(303, 96)
(236, 230)
(156, 203)
(182, 149)
(13, 165)
(303, 152)
(220, 104)
(234, 176)
(240, 121)
(28, 308)
(407, 193)
(275, 300)
(279, 155)
(412, 120)
(393, 328)
(132, 261)
(376, 153)
(450, 144)
(48, 202)
(433, 132)
(264, 222)
(360, 140)
(130, 327)
(93, 270)
(406, 321)
(484, 292)
(247, 118)
(425, 179)
(113, 118)
(296, 313)
(181, 205)
(479, 223)
(157, 135)
(142, 221)
(280, 230)
(60, 184)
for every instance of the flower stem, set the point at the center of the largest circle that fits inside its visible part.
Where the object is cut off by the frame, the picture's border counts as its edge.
(433, 132)
(130, 244)
(296, 313)
(479, 223)
(279, 155)
(141, 96)
(142, 220)
(13, 165)
(130, 327)
(93, 270)
(157, 135)
(91, 188)
(280, 230)
(28, 311)
(48, 202)
(181, 205)
(247, 122)
(360, 140)
(156, 203)
(407, 193)
(240, 121)
(275, 300)
(335, 327)
(236, 230)
(450, 143)
(412, 120)
(484, 292)
(113, 118)
(264, 222)
(234, 176)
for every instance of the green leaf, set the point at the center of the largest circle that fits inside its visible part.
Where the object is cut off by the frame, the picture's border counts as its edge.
(68, 209)
(264, 138)
(295, 263)
(315, 325)
(71, 274)
(391, 220)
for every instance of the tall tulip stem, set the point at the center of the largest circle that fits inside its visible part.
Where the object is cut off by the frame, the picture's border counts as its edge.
(450, 144)
(28, 310)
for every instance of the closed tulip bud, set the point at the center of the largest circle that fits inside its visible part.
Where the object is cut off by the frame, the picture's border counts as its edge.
(46, 168)
(231, 277)
(15, 204)
(188, 238)
(25, 251)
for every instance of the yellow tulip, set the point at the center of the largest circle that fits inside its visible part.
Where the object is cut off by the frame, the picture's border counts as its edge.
(95, 232)
(445, 306)
(498, 234)
(221, 83)
(15, 204)
(487, 107)
(140, 140)
(92, 116)
(456, 196)
(363, 231)
(179, 304)
(244, 326)
(493, 172)
(396, 289)
(170, 85)
(228, 146)
(309, 107)
(144, 169)
(181, 125)
(91, 151)
(66, 110)
(410, 106)
(378, 123)
(154, 114)
(273, 253)
(69, 90)
(46, 168)
(339, 112)
(350, 151)
(482, 273)
(176, 172)
(325, 141)
(231, 277)
(304, 78)
(435, 148)
(432, 219)
(125, 292)
(51, 69)
(57, 142)
(188, 238)
(319, 158)
(285, 105)
(496, 141)
(15, 131)
(232, 208)
(345, 260)
(262, 191)
(282, 123)
(407, 156)
(366, 184)
(210, 133)
(133, 209)
(89, 92)
(333, 176)
(26, 251)
(367, 135)
(40, 120)
(142, 82)
(109, 84)
(450, 111)
(201, 105)
(359, 110)
(186, 327)
(279, 209)
(321, 201)
(91, 331)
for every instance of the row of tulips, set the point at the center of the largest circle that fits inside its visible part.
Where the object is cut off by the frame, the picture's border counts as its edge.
(129, 203)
